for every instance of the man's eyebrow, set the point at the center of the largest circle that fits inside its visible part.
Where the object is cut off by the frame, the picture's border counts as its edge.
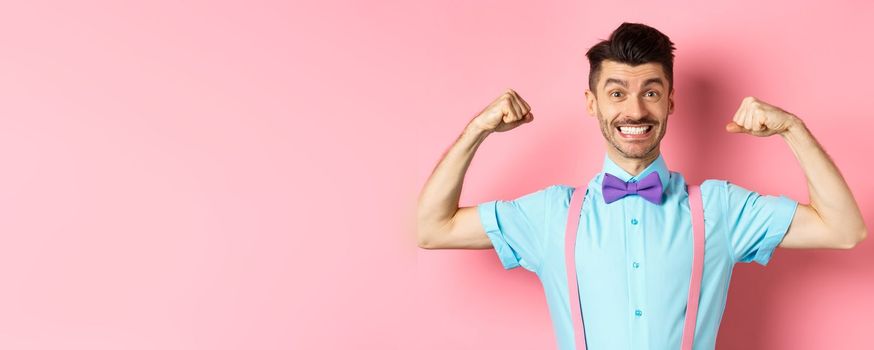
(625, 83)
(654, 81)
(616, 81)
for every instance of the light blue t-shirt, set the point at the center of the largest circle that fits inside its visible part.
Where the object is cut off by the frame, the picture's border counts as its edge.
(634, 257)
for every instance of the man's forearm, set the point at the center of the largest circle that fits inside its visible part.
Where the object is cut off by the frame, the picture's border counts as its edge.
(829, 193)
(438, 200)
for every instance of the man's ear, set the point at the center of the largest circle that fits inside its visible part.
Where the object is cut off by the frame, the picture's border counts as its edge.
(671, 101)
(591, 103)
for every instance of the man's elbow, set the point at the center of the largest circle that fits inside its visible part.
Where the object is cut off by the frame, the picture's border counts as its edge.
(425, 236)
(430, 231)
(422, 239)
(426, 227)
(862, 235)
(858, 238)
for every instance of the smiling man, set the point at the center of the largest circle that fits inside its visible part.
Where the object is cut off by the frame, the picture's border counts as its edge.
(633, 253)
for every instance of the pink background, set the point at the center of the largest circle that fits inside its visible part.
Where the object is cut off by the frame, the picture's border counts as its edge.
(217, 175)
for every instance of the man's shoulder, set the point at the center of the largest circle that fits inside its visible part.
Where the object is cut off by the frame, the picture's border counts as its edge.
(707, 184)
(711, 187)
(562, 193)
(713, 183)
(721, 185)
(555, 194)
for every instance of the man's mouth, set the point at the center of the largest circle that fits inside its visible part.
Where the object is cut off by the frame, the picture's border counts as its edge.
(635, 131)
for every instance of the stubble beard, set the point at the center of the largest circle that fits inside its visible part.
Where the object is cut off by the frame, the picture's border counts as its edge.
(610, 136)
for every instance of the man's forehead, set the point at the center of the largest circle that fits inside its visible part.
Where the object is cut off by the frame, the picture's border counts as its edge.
(614, 71)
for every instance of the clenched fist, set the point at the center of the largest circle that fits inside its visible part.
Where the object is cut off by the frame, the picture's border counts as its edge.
(504, 113)
(755, 117)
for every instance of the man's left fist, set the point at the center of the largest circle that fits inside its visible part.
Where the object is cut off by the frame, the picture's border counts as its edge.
(755, 117)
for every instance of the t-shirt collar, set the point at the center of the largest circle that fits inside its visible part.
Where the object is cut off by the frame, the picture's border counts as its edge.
(658, 165)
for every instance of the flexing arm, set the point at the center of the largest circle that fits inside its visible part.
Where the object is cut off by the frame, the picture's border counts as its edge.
(440, 222)
(832, 219)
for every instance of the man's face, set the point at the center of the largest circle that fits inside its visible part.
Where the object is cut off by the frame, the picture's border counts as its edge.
(632, 105)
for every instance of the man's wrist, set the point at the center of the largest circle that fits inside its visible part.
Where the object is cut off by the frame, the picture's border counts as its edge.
(795, 124)
(476, 132)
(796, 131)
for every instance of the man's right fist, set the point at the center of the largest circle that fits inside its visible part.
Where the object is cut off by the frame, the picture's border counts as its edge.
(504, 113)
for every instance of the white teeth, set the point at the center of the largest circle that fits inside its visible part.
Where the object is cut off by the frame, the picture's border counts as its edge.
(631, 130)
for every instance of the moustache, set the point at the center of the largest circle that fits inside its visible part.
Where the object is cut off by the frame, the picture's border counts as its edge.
(637, 122)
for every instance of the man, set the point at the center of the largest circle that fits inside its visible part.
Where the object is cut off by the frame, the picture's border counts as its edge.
(634, 253)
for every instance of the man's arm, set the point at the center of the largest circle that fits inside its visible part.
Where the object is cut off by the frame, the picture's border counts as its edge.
(832, 219)
(440, 222)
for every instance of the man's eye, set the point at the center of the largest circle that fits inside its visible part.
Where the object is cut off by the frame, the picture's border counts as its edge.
(652, 94)
(616, 94)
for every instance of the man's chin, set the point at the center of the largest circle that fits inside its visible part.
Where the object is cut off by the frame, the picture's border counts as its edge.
(636, 151)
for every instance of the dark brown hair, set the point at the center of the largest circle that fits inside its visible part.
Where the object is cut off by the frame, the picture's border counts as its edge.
(633, 44)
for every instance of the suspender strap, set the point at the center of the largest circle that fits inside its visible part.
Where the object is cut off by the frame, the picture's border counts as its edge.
(573, 223)
(697, 210)
(570, 240)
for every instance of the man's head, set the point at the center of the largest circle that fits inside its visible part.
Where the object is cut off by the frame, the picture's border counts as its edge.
(631, 89)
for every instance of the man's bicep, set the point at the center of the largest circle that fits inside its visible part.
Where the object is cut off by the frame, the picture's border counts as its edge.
(465, 232)
(808, 231)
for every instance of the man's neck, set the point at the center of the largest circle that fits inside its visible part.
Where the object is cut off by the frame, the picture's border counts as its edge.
(633, 166)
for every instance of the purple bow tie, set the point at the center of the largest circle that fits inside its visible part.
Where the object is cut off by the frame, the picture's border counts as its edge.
(650, 188)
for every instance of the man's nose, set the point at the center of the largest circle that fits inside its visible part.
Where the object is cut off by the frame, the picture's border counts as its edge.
(634, 108)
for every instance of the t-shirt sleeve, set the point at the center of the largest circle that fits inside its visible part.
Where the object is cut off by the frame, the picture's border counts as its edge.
(517, 228)
(756, 222)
